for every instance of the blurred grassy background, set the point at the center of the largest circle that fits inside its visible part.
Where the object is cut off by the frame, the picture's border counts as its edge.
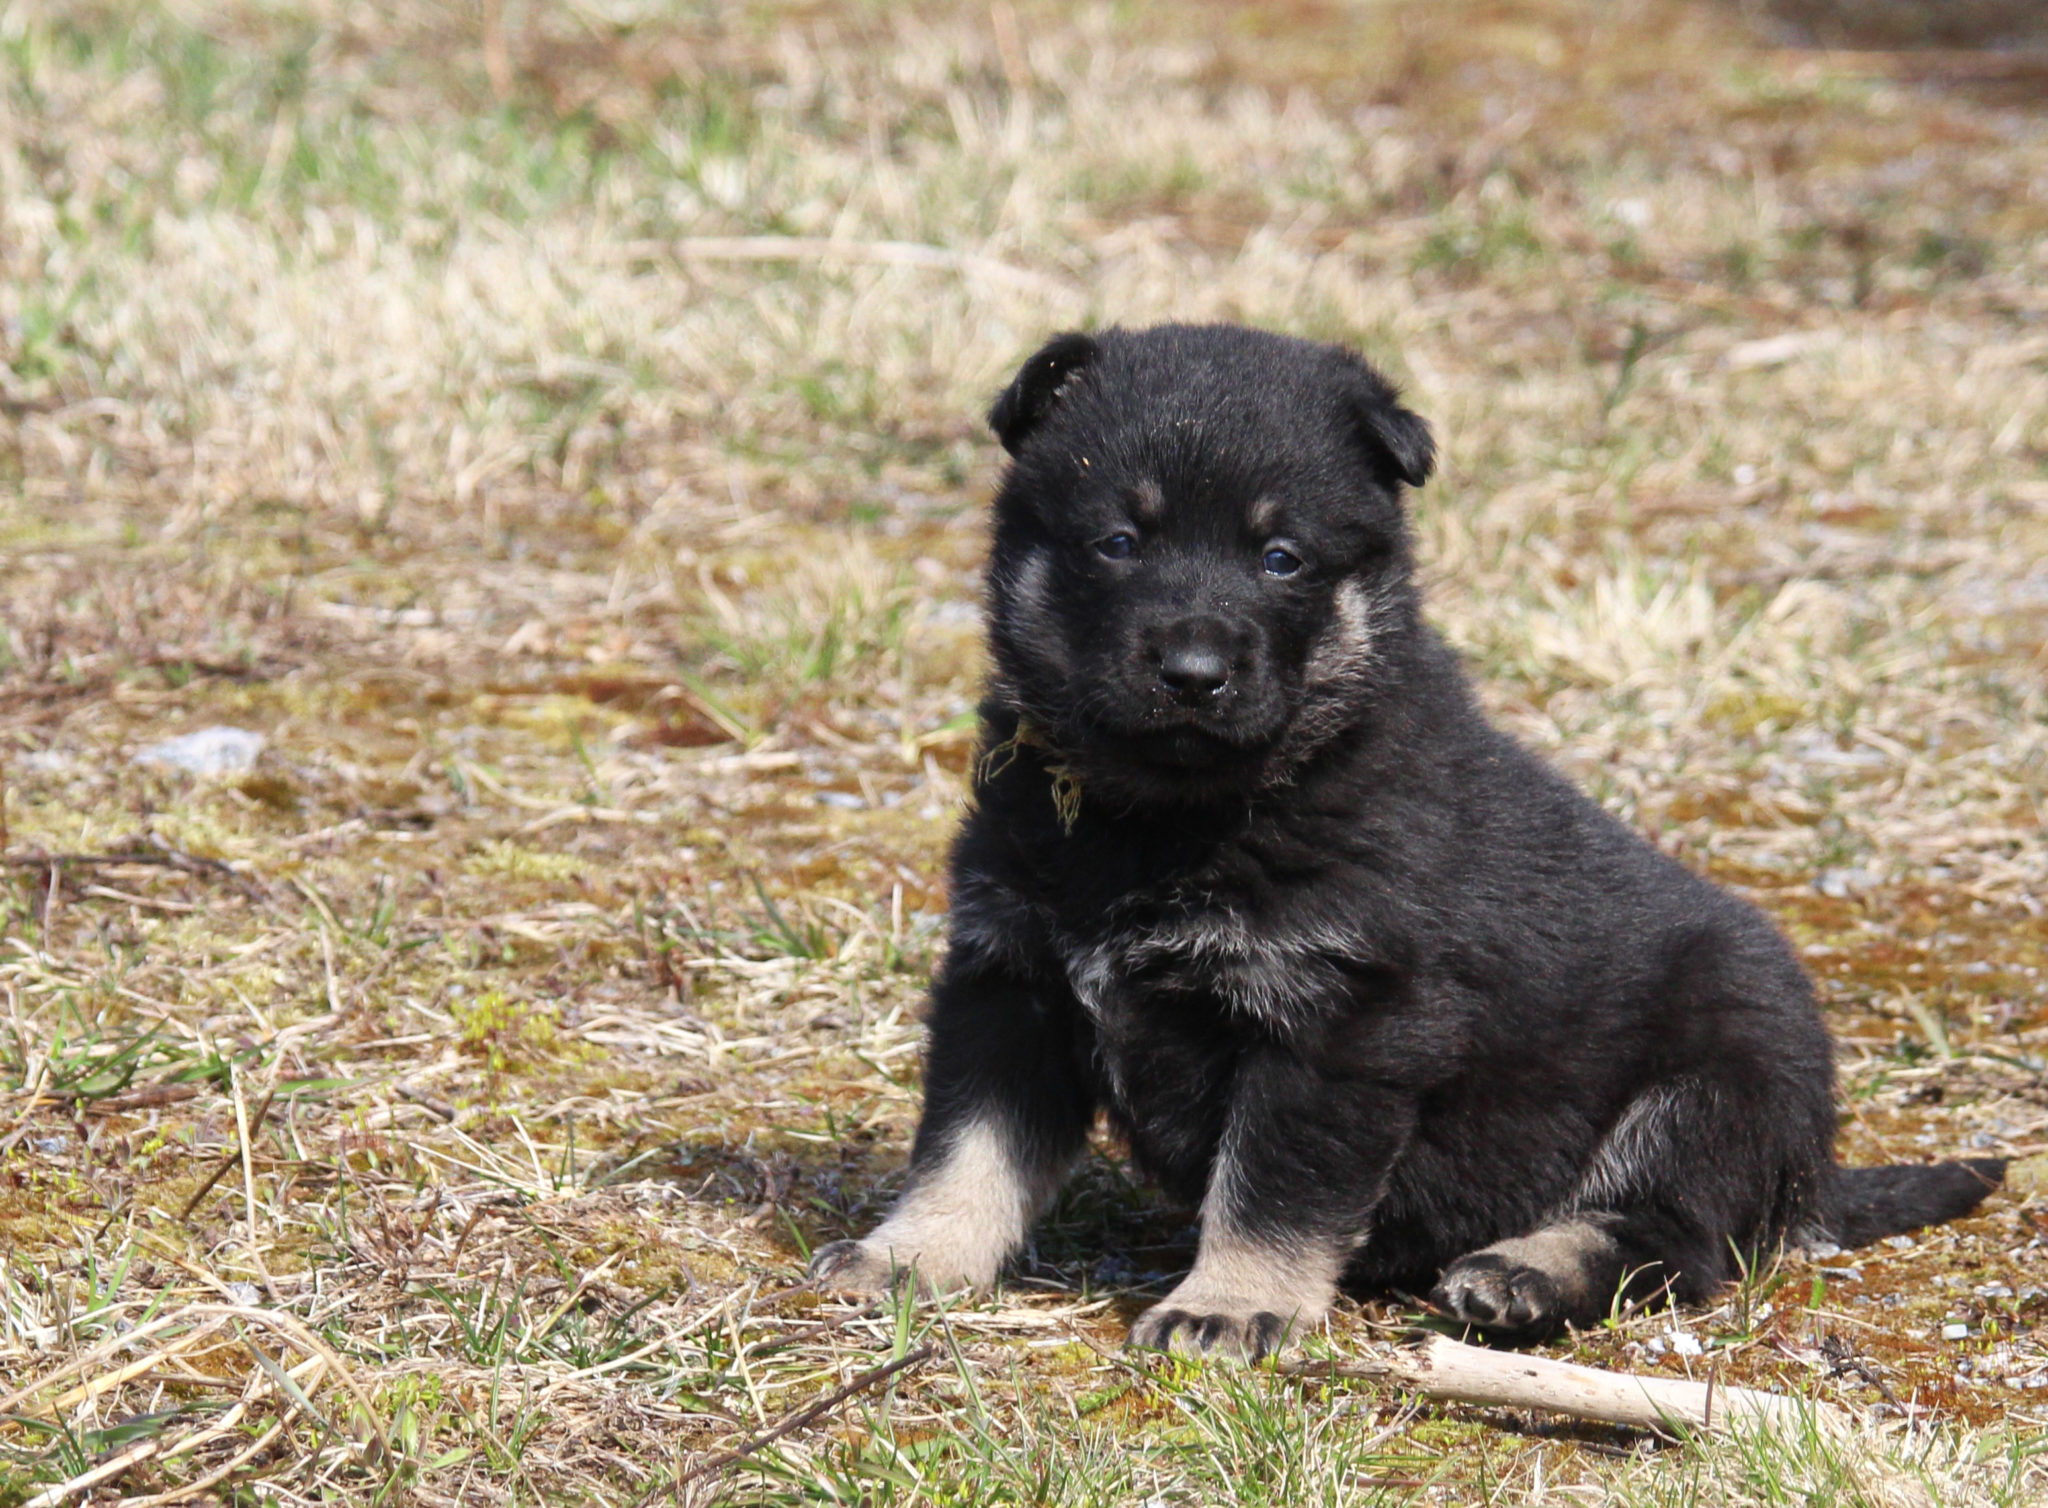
(555, 429)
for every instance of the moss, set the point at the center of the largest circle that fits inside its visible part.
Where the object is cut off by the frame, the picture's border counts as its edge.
(504, 859)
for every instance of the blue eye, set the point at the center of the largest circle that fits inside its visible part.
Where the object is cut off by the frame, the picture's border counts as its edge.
(1279, 562)
(1117, 547)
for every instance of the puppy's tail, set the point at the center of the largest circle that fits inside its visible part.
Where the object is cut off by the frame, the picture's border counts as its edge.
(1865, 1204)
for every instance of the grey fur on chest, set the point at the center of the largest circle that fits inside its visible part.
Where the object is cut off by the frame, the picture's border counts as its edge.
(1271, 975)
(1271, 972)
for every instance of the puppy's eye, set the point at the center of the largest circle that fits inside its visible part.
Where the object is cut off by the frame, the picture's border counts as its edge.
(1279, 562)
(1117, 546)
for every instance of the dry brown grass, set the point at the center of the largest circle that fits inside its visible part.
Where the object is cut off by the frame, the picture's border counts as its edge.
(555, 429)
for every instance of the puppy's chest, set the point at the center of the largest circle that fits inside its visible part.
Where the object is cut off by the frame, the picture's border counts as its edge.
(1210, 969)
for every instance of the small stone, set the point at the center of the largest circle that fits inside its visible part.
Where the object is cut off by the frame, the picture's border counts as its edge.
(1899, 1243)
(1822, 1250)
(219, 750)
(1840, 883)
(1955, 1330)
(1993, 1291)
(245, 1293)
(846, 800)
(1843, 1274)
(1635, 213)
(1684, 1345)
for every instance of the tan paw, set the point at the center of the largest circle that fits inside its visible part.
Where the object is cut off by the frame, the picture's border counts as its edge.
(1241, 1335)
(881, 1264)
(1494, 1293)
(855, 1267)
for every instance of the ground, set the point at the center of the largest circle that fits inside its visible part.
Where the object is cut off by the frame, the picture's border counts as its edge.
(554, 430)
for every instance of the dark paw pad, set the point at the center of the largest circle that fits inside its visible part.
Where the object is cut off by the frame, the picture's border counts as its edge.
(1496, 1294)
(1237, 1337)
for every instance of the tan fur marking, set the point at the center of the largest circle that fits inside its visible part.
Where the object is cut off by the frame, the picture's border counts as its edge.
(1148, 503)
(960, 1218)
(1032, 611)
(1344, 648)
(1240, 1276)
(1568, 1253)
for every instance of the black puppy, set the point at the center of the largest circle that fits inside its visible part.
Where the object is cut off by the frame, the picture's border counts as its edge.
(1348, 968)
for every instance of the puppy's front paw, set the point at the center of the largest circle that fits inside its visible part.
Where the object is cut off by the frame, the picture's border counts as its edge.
(855, 1267)
(1245, 1335)
(887, 1260)
(1497, 1293)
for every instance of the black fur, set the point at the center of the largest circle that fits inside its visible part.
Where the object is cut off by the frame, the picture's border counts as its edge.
(1248, 870)
(1866, 1203)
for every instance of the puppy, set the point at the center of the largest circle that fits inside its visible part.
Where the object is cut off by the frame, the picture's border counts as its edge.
(1350, 971)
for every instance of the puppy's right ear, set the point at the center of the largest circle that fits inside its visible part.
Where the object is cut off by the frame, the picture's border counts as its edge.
(1036, 388)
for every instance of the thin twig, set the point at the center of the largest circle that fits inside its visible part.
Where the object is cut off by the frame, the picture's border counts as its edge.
(799, 1419)
(218, 1474)
(229, 1161)
(113, 1467)
(248, 1150)
(159, 856)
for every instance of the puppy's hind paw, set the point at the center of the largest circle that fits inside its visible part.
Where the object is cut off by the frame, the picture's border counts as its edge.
(855, 1267)
(1498, 1294)
(1235, 1337)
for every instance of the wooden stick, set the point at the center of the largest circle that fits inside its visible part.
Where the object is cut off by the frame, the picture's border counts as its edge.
(1447, 1369)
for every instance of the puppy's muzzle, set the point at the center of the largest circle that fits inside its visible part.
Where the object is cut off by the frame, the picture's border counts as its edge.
(1195, 658)
(1194, 673)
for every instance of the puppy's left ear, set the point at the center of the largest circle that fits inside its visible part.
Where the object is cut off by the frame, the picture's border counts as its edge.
(1036, 387)
(1400, 438)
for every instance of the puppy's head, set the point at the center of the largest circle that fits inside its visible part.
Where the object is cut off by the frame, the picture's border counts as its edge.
(1200, 556)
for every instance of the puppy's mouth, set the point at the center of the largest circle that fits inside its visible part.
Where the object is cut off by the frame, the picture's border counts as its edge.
(1180, 758)
(1191, 749)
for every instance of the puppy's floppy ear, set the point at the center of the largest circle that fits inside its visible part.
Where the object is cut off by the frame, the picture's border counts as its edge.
(1031, 395)
(1400, 438)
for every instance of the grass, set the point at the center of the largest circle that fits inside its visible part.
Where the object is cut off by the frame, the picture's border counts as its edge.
(442, 1109)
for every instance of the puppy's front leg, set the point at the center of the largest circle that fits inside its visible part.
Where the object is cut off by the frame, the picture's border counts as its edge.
(1300, 1166)
(1007, 1107)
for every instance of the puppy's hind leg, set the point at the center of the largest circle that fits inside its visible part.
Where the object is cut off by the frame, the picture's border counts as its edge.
(1569, 1269)
(1529, 1286)
(1694, 1173)
(1007, 1106)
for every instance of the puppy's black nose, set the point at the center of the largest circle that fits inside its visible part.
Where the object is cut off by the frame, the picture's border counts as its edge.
(1194, 670)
